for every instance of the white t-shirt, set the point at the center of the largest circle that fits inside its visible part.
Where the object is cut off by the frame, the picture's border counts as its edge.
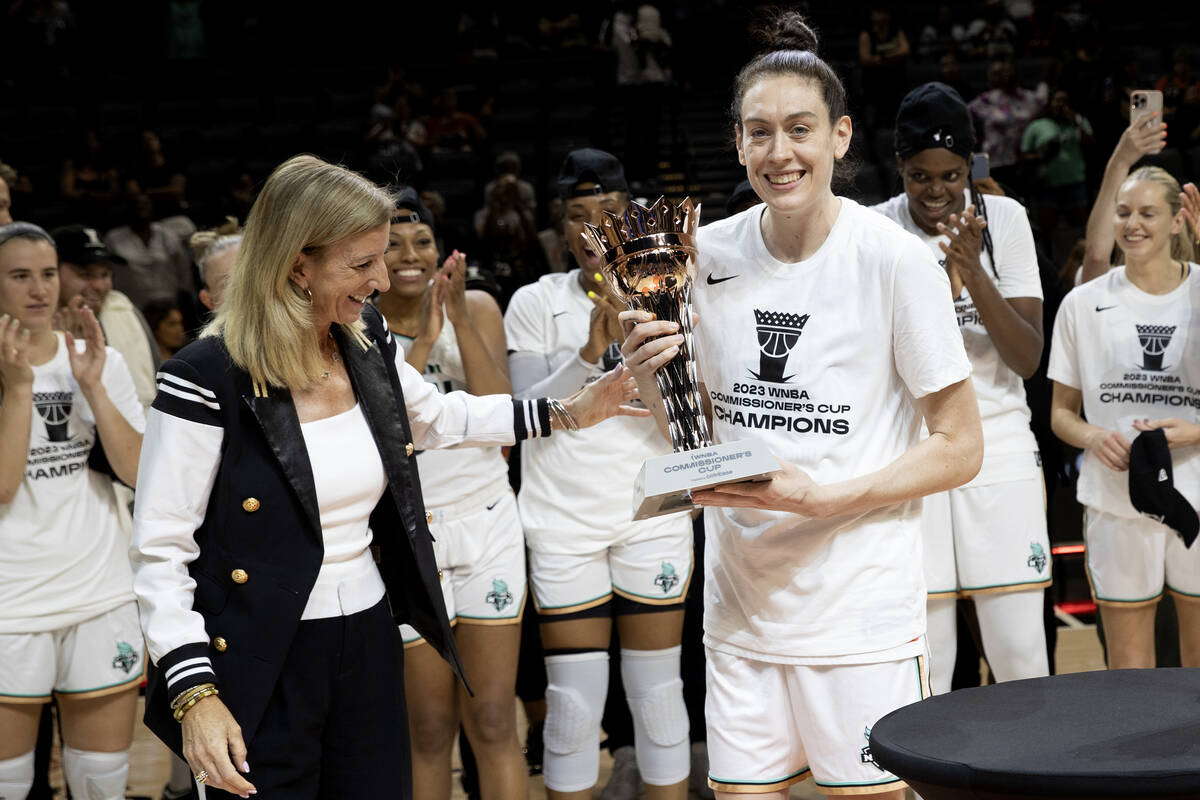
(63, 553)
(448, 476)
(820, 360)
(1000, 391)
(1133, 355)
(576, 487)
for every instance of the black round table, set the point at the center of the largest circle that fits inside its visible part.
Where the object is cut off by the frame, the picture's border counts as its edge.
(1120, 733)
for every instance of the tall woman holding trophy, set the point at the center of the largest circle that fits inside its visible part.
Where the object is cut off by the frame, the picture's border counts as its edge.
(588, 561)
(822, 333)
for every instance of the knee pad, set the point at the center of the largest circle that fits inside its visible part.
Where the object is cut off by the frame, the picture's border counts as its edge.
(95, 776)
(16, 776)
(575, 694)
(660, 719)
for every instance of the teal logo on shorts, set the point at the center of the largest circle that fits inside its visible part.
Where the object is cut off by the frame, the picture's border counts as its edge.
(865, 753)
(125, 659)
(499, 597)
(1037, 557)
(667, 579)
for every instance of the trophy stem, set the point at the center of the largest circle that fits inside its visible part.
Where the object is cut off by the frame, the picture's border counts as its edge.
(677, 381)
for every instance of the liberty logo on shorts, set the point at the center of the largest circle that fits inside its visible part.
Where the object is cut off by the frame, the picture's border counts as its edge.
(55, 410)
(667, 579)
(499, 597)
(125, 659)
(1037, 557)
(865, 753)
(777, 335)
(1154, 340)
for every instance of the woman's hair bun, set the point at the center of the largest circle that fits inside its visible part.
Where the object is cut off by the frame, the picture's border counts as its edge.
(785, 30)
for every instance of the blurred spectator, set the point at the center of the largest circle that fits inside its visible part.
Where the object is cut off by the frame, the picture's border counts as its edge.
(90, 182)
(19, 186)
(450, 128)
(1177, 87)
(883, 52)
(154, 176)
(1002, 113)
(992, 35)
(554, 244)
(507, 233)
(156, 264)
(941, 36)
(393, 141)
(185, 30)
(214, 251)
(560, 29)
(642, 48)
(237, 195)
(86, 271)
(1054, 144)
(166, 323)
(5, 202)
(950, 73)
(509, 163)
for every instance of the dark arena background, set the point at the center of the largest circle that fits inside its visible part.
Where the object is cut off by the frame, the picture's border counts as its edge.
(118, 113)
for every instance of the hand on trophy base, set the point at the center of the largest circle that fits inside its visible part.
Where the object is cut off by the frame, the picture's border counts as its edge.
(788, 489)
(671, 483)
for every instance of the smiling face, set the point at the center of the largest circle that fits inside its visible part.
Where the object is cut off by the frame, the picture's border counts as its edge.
(787, 142)
(1143, 222)
(587, 209)
(29, 282)
(934, 181)
(343, 275)
(92, 282)
(412, 257)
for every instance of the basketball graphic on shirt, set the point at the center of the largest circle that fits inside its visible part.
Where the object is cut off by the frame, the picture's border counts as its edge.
(55, 410)
(1154, 340)
(778, 333)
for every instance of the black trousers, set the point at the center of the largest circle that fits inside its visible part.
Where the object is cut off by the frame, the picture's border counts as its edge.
(337, 725)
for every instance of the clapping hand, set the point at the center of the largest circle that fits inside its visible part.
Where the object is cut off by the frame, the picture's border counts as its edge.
(87, 366)
(965, 233)
(15, 369)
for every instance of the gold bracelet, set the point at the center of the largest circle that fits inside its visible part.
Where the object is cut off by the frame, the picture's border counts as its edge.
(186, 694)
(182, 711)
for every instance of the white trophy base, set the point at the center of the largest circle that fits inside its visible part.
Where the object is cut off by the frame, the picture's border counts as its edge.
(665, 483)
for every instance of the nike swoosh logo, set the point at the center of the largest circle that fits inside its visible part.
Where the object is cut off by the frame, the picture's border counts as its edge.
(1104, 308)
(493, 505)
(560, 313)
(714, 281)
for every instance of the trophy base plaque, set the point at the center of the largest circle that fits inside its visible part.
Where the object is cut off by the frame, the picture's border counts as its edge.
(665, 483)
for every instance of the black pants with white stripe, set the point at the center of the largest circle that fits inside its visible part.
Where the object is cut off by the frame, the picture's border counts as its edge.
(336, 726)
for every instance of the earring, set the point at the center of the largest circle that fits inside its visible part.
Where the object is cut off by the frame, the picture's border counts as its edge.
(306, 290)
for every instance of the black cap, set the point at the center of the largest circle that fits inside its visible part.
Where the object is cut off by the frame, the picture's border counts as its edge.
(934, 115)
(1152, 486)
(743, 195)
(591, 166)
(82, 246)
(409, 199)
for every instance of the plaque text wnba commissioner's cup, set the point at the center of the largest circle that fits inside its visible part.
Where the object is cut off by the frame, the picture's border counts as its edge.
(649, 261)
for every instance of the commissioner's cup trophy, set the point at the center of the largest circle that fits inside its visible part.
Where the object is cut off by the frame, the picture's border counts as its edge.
(649, 261)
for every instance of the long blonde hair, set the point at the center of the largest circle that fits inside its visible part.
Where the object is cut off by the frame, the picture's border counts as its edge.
(1183, 245)
(266, 321)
